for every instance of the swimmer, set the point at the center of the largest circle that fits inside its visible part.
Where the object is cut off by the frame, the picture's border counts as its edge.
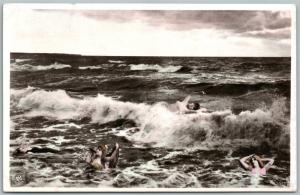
(184, 107)
(256, 165)
(99, 159)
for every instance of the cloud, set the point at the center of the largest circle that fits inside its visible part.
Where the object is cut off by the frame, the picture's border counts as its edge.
(149, 33)
(244, 23)
(284, 33)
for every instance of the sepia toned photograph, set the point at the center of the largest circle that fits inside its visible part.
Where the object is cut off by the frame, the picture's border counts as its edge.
(120, 97)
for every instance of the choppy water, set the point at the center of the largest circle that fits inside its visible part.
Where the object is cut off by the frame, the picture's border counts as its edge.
(63, 104)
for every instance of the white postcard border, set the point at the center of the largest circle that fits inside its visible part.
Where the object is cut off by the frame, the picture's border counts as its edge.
(103, 6)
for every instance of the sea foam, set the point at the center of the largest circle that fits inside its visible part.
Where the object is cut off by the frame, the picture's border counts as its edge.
(28, 67)
(157, 124)
(155, 67)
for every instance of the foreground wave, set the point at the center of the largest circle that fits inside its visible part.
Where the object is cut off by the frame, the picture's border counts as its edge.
(263, 125)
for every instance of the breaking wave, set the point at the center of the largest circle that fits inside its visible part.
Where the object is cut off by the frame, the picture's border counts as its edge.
(116, 61)
(28, 67)
(157, 125)
(59, 105)
(89, 67)
(155, 67)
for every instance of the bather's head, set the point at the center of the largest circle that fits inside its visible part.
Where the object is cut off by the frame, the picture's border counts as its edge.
(193, 106)
(102, 150)
(255, 162)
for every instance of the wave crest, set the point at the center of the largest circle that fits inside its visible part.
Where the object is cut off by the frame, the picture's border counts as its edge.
(59, 105)
(155, 67)
(28, 67)
(157, 124)
(261, 125)
(89, 67)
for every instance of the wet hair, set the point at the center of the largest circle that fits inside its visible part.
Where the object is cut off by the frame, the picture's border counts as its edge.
(103, 148)
(196, 106)
(252, 164)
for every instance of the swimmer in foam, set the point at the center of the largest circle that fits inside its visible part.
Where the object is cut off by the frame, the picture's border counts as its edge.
(99, 159)
(256, 164)
(184, 107)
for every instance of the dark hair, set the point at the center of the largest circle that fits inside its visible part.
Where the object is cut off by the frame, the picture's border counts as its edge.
(259, 163)
(102, 147)
(196, 106)
(250, 162)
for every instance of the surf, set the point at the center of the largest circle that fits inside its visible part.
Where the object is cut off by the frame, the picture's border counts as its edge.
(29, 67)
(155, 67)
(262, 125)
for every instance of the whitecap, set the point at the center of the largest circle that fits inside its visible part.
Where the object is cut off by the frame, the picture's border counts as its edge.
(116, 61)
(29, 67)
(89, 67)
(157, 124)
(156, 67)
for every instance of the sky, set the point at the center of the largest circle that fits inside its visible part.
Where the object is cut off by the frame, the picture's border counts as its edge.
(150, 32)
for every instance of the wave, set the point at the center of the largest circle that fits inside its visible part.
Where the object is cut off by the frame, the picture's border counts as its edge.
(282, 86)
(155, 67)
(89, 67)
(22, 60)
(59, 105)
(159, 126)
(128, 83)
(28, 67)
(250, 78)
(116, 61)
(258, 126)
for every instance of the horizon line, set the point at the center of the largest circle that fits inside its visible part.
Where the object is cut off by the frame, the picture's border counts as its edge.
(93, 55)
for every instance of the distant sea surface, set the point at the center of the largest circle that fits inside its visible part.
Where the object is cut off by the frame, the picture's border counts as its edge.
(63, 104)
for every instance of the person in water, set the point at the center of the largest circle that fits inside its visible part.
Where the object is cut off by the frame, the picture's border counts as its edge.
(99, 159)
(256, 164)
(184, 107)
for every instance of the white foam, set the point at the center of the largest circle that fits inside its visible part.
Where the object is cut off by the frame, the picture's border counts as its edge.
(157, 124)
(89, 67)
(171, 177)
(154, 67)
(66, 125)
(116, 61)
(21, 60)
(59, 105)
(28, 67)
(180, 179)
(171, 130)
(232, 78)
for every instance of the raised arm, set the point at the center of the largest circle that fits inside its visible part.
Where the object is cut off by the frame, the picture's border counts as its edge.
(186, 100)
(113, 157)
(182, 106)
(270, 162)
(243, 162)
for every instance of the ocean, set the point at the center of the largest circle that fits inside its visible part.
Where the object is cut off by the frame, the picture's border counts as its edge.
(61, 105)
